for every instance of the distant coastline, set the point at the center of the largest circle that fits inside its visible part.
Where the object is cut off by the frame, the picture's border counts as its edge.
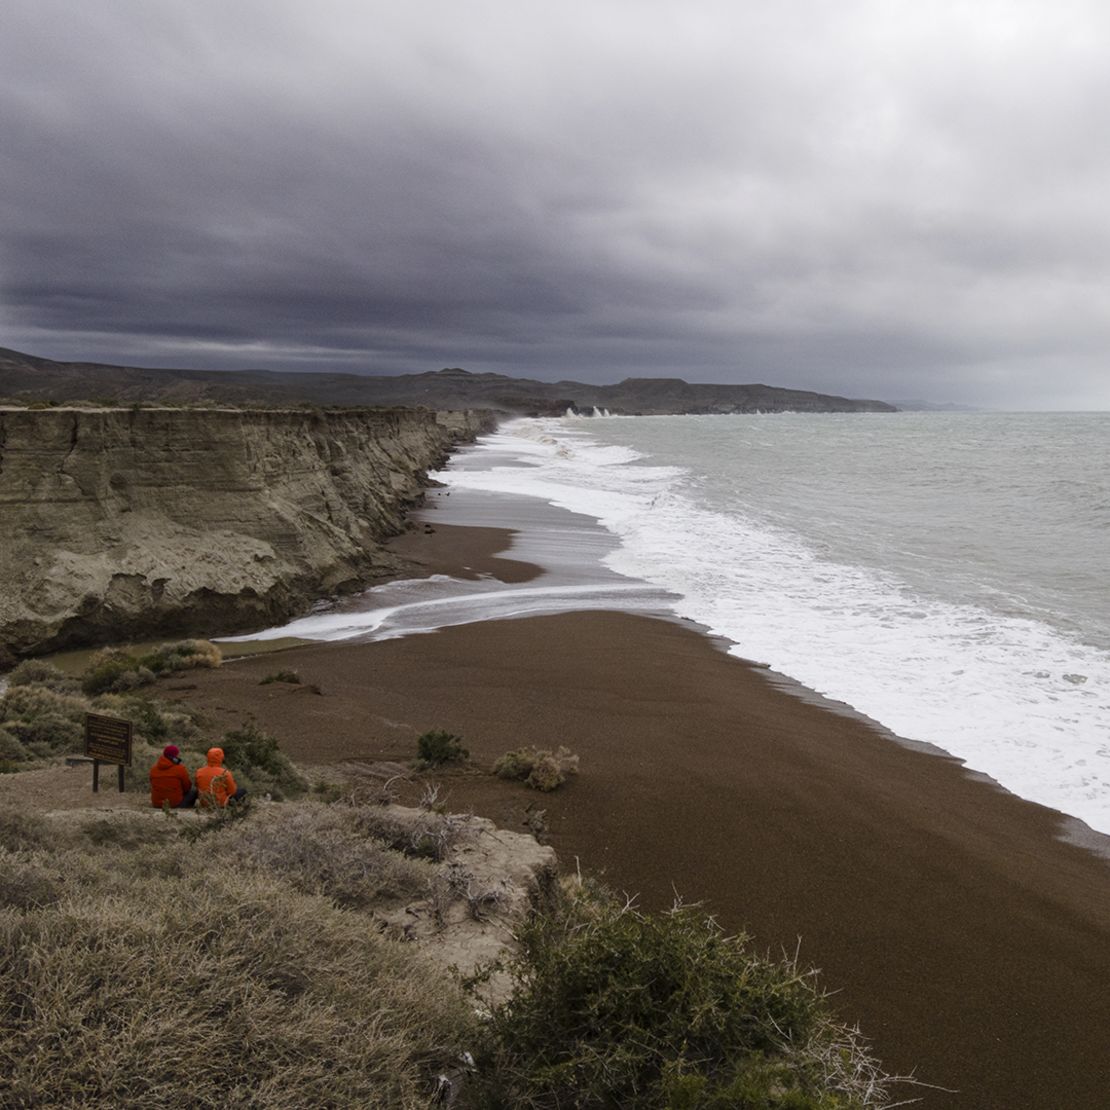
(28, 378)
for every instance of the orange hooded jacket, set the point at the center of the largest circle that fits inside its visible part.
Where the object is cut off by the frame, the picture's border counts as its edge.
(214, 781)
(169, 782)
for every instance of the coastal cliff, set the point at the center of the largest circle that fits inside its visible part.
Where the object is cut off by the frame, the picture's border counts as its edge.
(119, 523)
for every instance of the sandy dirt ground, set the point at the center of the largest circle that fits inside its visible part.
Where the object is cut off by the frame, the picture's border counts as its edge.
(953, 920)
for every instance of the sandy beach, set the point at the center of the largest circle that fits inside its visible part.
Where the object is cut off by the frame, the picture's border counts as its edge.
(955, 923)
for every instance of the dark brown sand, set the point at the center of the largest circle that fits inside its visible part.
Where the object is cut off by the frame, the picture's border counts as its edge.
(462, 552)
(970, 942)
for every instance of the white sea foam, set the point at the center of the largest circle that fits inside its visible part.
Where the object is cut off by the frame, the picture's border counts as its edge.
(1013, 696)
(378, 619)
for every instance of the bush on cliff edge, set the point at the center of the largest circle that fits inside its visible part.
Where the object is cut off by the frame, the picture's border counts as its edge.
(620, 1008)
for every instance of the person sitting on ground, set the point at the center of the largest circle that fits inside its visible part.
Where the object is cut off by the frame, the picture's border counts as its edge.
(169, 781)
(215, 783)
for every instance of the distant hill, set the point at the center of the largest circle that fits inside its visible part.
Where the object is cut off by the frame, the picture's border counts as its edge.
(28, 378)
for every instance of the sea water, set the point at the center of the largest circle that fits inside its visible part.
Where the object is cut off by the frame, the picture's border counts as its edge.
(943, 574)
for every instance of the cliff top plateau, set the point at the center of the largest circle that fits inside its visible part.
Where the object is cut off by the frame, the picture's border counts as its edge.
(27, 378)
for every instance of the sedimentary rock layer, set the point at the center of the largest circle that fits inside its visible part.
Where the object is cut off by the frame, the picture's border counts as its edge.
(128, 523)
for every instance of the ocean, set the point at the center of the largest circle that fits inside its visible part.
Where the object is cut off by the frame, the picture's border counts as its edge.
(943, 574)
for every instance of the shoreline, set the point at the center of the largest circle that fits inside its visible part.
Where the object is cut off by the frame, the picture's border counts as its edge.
(958, 925)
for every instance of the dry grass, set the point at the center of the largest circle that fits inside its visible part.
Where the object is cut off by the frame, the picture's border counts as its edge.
(321, 850)
(139, 969)
(539, 768)
(431, 837)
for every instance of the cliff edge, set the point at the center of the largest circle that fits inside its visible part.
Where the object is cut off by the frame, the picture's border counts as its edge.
(118, 523)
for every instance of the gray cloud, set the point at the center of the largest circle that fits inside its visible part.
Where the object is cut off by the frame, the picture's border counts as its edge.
(883, 199)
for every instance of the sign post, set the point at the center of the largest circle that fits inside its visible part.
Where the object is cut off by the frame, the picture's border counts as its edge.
(107, 740)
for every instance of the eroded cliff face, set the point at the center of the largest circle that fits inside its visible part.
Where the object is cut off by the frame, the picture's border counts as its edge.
(123, 523)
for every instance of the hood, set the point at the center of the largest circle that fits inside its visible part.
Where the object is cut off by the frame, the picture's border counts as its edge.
(215, 757)
(163, 763)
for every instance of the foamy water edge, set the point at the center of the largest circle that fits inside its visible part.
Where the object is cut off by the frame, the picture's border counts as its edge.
(1011, 697)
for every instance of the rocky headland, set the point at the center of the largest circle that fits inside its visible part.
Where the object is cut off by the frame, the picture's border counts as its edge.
(125, 523)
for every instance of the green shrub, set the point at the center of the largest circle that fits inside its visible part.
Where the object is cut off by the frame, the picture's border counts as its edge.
(539, 768)
(253, 754)
(291, 677)
(43, 721)
(181, 656)
(155, 722)
(114, 671)
(11, 748)
(438, 747)
(37, 672)
(328, 792)
(619, 1008)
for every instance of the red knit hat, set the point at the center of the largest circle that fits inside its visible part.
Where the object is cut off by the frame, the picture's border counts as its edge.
(171, 751)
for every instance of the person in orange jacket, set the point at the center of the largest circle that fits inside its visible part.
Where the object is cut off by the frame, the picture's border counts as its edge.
(170, 782)
(215, 783)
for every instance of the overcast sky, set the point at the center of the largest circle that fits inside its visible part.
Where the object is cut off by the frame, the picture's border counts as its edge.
(885, 199)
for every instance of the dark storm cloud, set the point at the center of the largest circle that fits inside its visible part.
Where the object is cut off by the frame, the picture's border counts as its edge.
(883, 199)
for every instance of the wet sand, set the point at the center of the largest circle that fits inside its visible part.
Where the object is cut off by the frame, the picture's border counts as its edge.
(969, 940)
(462, 552)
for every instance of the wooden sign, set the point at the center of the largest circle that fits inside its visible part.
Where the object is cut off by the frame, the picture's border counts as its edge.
(107, 740)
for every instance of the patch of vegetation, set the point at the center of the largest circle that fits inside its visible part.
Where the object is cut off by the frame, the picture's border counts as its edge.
(125, 833)
(280, 998)
(37, 672)
(324, 851)
(42, 715)
(539, 768)
(184, 655)
(27, 883)
(438, 747)
(254, 756)
(12, 752)
(215, 819)
(21, 829)
(155, 722)
(291, 677)
(620, 1008)
(41, 721)
(431, 837)
(327, 792)
(114, 671)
